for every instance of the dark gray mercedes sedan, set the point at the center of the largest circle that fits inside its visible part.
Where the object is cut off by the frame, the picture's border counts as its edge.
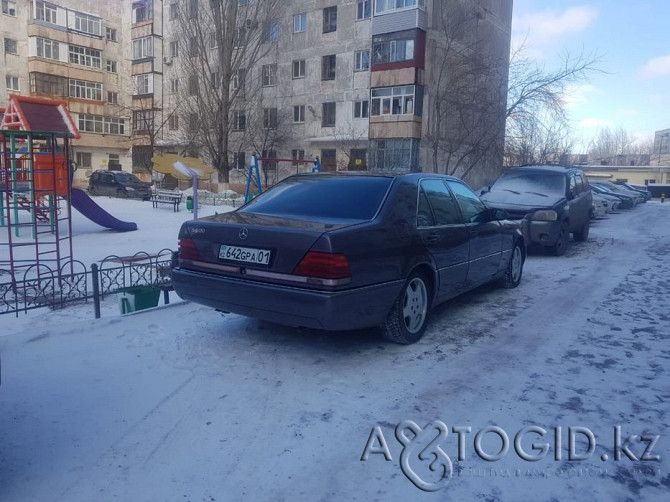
(340, 251)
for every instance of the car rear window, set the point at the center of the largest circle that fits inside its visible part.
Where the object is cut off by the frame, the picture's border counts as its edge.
(337, 198)
(531, 181)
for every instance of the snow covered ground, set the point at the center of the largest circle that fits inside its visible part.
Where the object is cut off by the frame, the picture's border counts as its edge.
(183, 403)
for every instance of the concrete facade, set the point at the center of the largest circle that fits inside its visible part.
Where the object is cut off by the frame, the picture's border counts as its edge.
(74, 50)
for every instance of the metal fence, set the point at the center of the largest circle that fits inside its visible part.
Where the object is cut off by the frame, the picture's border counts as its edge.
(40, 286)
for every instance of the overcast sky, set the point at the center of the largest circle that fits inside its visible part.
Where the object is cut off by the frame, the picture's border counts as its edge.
(633, 40)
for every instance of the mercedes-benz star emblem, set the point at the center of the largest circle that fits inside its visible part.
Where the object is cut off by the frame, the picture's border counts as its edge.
(243, 233)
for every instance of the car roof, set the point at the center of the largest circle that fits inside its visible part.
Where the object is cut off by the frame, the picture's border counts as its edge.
(547, 168)
(374, 174)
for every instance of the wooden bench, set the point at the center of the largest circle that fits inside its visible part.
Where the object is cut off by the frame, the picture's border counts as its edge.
(166, 197)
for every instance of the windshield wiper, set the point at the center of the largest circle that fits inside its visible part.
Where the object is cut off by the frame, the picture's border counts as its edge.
(538, 193)
(508, 190)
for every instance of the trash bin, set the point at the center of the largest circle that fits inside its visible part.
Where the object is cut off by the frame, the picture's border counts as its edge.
(138, 298)
(189, 203)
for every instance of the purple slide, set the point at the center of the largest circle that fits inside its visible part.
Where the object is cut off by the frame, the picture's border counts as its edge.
(86, 206)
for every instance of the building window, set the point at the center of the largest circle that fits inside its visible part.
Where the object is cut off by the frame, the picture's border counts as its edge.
(386, 6)
(240, 37)
(270, 118)
(142, 11)
(110, 34)
(239, 161)
(143, 84)
(112, 97)
(143, 120)
(193, 86)
(193, 8)
(298, 114)
(42, 83)
(173, 49)
(271, 31)
(9, 8)
(361, 109)
(174, 11)
(299, 68)
(361, 60)
(143, 48)
(47, 48)
(85, 90)
(393, 47)
(11, 46)
(173, 122)
(193, 47)
(269, 165)
(269, 75)
(396, 100)
(297, 155)
(46, 12)
(83, 159)
(330, 19)
(90, 123)
(12, 83)
(87, 24)
(401, 154)
(239, 120)
(114, 125)
(239, 80)
(328, 115)
(328, 67)
(174, 86)
(362, 10)
(111, 66)
(85, 57)
(299, 23)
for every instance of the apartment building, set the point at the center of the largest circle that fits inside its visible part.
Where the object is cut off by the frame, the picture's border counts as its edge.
(352, 82)
(73, 51)
(355, 82)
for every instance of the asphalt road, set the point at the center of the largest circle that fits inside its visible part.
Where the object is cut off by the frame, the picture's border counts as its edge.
(183, 403)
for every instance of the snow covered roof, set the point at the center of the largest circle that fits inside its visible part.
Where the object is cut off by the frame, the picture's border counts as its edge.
(26, 113)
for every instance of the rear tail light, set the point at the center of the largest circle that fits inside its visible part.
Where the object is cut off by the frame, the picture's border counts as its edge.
(188, 250)
(323, 266)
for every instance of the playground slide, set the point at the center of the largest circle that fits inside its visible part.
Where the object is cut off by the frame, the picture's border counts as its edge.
(86, 206)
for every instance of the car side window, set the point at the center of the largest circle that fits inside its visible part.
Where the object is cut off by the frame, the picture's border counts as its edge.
(579, 184)
(424, 215)
(573, 185)
(473, 209)
(442, 202)
(107, 178)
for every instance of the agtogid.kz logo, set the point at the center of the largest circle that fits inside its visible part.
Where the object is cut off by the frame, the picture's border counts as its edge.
(426, 464)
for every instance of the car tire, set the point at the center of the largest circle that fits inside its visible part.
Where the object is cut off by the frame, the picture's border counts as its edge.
(512, 276)
(583, 234)
(561, 245)
(406, 322)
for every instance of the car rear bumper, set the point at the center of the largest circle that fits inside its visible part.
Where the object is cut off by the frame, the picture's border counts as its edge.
(338, 310)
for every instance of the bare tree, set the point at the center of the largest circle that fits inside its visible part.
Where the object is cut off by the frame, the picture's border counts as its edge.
(536, 103)
(469, 83)
(538, 142)
(619, 147)
(223, 41)
(349, 138)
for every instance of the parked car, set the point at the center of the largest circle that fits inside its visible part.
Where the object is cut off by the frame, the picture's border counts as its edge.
(637, 195)
(341, 251)
(635, 188)
(555, 201)
(613, 201)
(118, 184)
(600, 208)
(627, 201)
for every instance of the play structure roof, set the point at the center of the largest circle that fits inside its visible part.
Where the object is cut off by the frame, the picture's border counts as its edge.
(25, 113)
(165, 164)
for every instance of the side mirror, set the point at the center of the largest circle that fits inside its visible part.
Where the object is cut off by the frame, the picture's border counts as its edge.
(485, 190)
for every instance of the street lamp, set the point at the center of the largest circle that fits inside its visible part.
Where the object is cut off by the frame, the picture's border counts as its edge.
(661, 137)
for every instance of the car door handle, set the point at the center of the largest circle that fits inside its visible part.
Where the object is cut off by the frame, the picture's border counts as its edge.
(474, 233)
(432, 238)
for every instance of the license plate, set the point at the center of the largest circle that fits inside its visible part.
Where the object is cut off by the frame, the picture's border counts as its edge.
(245, 255)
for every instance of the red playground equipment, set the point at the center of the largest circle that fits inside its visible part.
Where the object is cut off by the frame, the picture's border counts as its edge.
(36, 184)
